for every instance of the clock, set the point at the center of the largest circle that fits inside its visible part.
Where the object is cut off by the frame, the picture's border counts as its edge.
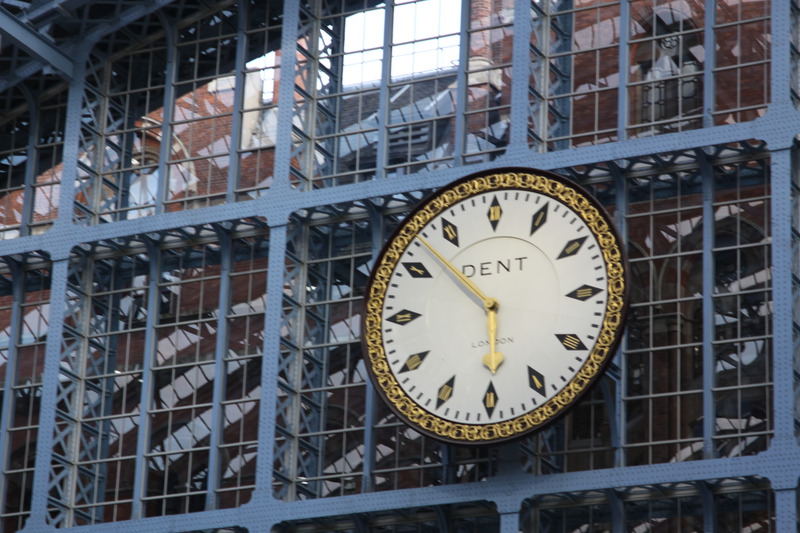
(494, 306)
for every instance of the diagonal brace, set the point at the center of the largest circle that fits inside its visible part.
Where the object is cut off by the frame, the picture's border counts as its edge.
(35, 43)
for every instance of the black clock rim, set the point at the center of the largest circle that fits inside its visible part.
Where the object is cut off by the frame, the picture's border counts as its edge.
(612, 349)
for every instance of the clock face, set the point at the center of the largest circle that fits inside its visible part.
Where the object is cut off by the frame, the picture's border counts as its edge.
(494, 306)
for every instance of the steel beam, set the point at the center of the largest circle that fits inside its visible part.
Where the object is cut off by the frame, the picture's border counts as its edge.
(41, 9)
(36, 44)
(96, 33)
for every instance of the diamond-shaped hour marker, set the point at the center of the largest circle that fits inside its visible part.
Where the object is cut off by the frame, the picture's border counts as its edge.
(494, 213)
(536, 380)
(445, 392)
(584, 292)
(401, 318)
(571, 248)
(417, 270)
(539, 218)
(571, 341)
(490, 399)
(450, 231)
(413, 361)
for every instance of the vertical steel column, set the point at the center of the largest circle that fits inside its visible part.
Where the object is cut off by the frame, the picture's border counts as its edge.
(165, 149)
(617, 507)
(709, 43)
(617, 419)
(709, 507)
(72, 144)
(30, 168)
(783, 69)
(125, 180)
(709, 364)
(462, 84)
(331, 107)
(538, 69)
(58, 285)
(792, 93)
(623, 106)
(150, 340)
(520, 63)
(563, 107)
(382, 149)
(7, 405)
(50, 379)
(276, 257)
(510, 510)
(785, 509)
(783, 353)
(269, 370)
(298, 376)
(306, 114)
(106, 395)
(78, 397)
(220, 370)
(286, 104)
(370, 397)
(783, 168)
(545, 45)
(546, 48)
(238, 102)
(97, 152)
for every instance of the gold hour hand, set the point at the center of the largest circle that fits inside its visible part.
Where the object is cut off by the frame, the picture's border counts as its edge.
(493, 359)
(457, 273)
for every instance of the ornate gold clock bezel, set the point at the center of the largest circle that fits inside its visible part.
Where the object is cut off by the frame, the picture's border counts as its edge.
(596, 219)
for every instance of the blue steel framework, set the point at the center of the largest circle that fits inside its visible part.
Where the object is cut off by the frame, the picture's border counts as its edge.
(133, 397)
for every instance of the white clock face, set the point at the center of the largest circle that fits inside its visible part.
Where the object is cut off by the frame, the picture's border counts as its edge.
(549, 283)
(492, 309)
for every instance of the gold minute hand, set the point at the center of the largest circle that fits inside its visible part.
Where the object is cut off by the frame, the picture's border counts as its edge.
(460, 275)
(494, 358)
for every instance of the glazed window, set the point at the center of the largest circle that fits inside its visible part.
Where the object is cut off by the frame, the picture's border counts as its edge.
(667, 63)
